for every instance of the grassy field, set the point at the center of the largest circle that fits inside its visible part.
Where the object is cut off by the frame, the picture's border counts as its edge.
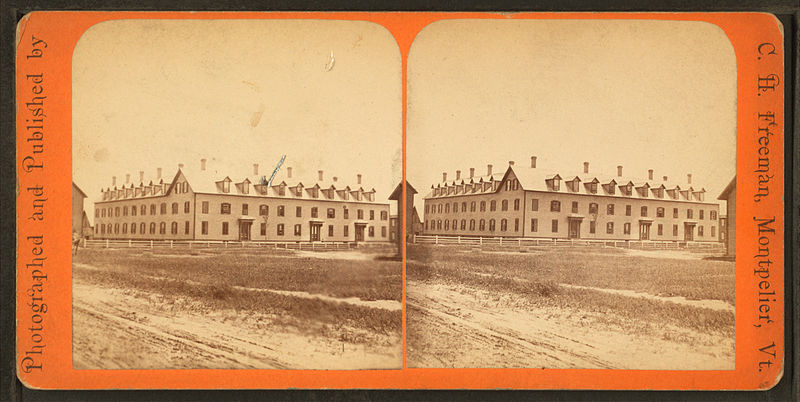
(537, 276)
(231, 280)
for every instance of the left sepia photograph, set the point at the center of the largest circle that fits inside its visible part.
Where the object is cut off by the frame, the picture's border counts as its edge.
(231, 195)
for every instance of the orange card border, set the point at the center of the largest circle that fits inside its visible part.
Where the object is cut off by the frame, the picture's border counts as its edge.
(62, 29)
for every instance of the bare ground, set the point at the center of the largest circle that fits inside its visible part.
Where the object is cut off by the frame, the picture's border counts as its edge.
(462, 326)
(126, 328)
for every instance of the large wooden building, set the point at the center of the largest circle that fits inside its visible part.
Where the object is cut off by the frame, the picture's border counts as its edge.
(528, 202)
(205, 204)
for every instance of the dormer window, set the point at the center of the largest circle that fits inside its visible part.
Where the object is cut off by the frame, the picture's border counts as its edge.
(592, 187)
(699, 195)
(226, 186)
(245, 187)
(555, 184)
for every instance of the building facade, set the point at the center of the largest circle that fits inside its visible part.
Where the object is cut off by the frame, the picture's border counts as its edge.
(80, 221)
(527, 202)
(209, 205)
(729, 196)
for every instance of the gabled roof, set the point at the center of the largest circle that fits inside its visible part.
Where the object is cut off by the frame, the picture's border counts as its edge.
(75, 186)
(398, 191)
(731, 187)
(535, 179)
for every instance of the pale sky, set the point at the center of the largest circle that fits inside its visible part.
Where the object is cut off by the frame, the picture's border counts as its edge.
(643, 94)
(155, 93)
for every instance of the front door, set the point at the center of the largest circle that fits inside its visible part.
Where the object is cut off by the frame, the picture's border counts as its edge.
(574, 229)
(315, 229)
(244, 230)
(360, 232)
(688, 232)
(644, 231)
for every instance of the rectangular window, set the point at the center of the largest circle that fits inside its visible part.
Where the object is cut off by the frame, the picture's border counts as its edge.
(383, 231)
(660, 229)
(713, 231)
(245, 209)
(516, 225)
(204, 207)
(299, 211)
(592, 226)
(185, 207)
(659, 212)
(701, 213)
(346, 231)
(555, 206)
(263, 229)
(360, 214)
(700, 230)
(674, 212)
(280, 229)
(298, 230)
(610, 227)
(554, 227)
(372, 214)
(627, 210)
(626, 229)
(186, 227)
(516, 204)
(712, 215)
(280, 210)
(314, 212)
(204, 227)
(689, 214)
(385, 215)
(372, 231)
(535, 204)
(534, 225)
(225, 208)
(674, 230)
(610, 209)
(330, 230)
(644, 211)
(574, 207)
(224, 228)
(331, 213)
(346, 213)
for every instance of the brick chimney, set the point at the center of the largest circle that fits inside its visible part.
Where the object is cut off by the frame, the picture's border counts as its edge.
(619, 170)
(113, 180)
(650, 174)
(358, 177)
(180, 166)
(510, 163)
(319, 172)
(585, 167)
(288, 172)
(127, 178)
(444, 177)
(335, 179)
(471, 172)
(665, 178)
(689, 178)
(458, 175)
(489, 170)
(141, 176)
(255, 169)
(203, 164)
(158, 174)
(533, 162)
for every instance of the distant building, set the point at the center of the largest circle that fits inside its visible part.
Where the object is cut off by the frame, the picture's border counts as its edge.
(729, 195)
(208, 205)
(80, 221)
(397, 195)
(527, 202)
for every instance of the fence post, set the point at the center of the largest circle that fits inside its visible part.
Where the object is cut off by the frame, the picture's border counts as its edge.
(436, 239)
(519, 242)
(480, 240)
(459, 239)
(106, 243)
(225, 243)
(170, 244)
(501, 241)
(130, 243)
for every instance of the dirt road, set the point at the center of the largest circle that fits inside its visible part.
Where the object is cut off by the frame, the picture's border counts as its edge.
(120, 329)
(461, 326)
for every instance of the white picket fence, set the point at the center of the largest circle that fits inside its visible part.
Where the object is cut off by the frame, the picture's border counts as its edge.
(527, 242)
(217, 244)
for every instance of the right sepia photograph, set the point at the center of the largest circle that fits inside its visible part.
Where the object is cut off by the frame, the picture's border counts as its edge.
(571, 195)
